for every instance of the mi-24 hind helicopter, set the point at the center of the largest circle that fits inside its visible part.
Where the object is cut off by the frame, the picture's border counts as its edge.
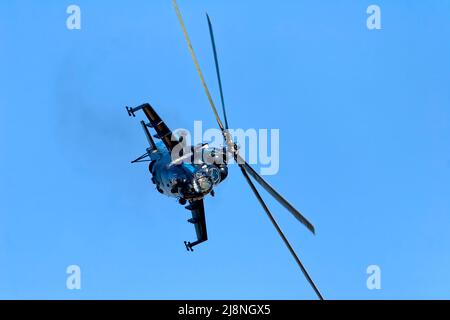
(191, 181)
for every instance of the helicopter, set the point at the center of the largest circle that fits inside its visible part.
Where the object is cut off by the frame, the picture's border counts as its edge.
(191, 173)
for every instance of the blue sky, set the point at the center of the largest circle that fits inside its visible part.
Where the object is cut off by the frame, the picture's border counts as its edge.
(364, 119)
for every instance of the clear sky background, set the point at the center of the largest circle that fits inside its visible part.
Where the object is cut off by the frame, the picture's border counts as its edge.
(364, 118)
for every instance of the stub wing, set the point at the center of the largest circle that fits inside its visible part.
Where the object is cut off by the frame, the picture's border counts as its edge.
(199, 221)
(162, 130)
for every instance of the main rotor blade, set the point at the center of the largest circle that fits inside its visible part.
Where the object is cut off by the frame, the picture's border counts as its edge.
(216, 61)
(275, 224)
(197, 66)
(275, 194)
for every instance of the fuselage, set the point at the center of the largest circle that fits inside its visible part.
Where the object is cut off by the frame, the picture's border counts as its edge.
(190, 177)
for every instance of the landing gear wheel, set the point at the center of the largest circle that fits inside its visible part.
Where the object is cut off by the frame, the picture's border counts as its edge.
(182, 201)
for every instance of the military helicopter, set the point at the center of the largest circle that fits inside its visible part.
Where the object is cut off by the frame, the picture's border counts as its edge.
(191, 181)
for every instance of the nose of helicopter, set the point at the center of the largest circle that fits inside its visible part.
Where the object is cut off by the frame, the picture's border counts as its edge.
(203, 184)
